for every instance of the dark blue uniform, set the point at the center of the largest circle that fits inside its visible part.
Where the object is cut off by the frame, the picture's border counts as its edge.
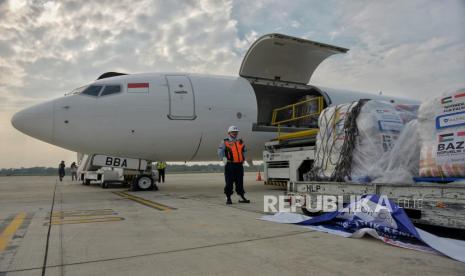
(234, 151)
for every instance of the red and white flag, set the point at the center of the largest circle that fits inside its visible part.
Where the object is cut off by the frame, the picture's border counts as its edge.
(140, 87)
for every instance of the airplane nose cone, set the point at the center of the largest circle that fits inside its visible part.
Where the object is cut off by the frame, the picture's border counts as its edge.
(36, 121)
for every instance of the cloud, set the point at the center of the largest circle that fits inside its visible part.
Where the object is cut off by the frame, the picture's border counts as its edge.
(413, 48)
(47, 48)
(50, 47)
(64, 44)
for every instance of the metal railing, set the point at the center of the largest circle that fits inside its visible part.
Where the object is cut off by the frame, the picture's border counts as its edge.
(299, 113)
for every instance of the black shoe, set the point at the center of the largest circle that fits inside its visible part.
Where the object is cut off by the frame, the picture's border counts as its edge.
(244, 200)
(228, 201)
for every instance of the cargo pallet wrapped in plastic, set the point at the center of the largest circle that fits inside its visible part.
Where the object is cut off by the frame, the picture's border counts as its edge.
(401, 163)
(330, 141)
(442, 131)
(354, 138)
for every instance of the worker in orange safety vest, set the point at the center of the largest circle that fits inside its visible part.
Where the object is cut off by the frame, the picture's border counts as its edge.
(232, 152)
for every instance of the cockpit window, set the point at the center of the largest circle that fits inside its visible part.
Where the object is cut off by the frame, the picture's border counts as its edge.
(111, 89)
(92, 90)
(77, 90)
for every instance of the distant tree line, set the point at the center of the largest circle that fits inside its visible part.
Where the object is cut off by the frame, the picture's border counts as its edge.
(171, 168)
(30, 171)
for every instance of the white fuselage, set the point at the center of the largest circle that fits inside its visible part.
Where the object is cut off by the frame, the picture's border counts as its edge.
(138, 125)
(182, 117)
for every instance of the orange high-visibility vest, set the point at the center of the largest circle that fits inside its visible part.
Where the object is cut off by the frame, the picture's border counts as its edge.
(234, 151)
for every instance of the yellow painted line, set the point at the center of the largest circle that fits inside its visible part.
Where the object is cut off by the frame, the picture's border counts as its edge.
(84, 215)
(83, 211)
(77, 221)
(81, 218)
(9, 232)
(145, 202)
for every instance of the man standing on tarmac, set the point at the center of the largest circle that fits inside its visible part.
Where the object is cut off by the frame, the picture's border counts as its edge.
(232, 152)
(61, 170)
(161, 166)
(73, 169)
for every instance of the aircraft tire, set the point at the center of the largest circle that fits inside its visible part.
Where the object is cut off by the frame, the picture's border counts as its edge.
(144, 183)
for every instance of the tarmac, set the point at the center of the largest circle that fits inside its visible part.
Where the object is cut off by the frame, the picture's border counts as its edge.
(185, 228)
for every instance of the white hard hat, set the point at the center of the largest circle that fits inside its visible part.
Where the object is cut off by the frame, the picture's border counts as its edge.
(233, 128)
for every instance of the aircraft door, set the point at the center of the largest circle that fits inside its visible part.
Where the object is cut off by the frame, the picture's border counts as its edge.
(181, 96)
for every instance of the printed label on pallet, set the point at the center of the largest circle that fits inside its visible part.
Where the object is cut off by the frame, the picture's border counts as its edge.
(450, 148)
(450, 120)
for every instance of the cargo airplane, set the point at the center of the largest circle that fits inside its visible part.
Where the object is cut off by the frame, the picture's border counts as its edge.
(182, 116)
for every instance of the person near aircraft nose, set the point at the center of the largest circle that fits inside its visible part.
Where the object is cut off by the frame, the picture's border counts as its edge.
(161, 166)
(73, 169)
(61, 170)
(232, 152)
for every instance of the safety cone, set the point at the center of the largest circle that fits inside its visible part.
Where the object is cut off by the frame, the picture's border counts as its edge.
(259, 176)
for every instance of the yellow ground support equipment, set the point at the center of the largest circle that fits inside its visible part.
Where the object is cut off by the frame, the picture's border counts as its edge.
(298, 114)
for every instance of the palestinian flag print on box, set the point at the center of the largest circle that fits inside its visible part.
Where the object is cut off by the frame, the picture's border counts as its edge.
(442, 135)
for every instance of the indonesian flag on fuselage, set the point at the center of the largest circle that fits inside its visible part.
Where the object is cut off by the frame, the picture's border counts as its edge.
(138, 87)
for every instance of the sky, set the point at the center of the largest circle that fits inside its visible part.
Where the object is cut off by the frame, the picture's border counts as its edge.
(412, 48)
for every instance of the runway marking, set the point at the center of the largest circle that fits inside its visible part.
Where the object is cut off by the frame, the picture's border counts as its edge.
(146, 202)
(84, 216)
(9, 248)
(10, 230)
(5, 222)
(84, 213)
(91, 220)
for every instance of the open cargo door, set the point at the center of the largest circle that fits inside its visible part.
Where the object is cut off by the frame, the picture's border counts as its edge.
(284, 58)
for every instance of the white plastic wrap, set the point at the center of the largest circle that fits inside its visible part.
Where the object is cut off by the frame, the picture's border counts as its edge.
(379, 125)
(442, 131)
(401, 163)
(330, 139)
(407, 112)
